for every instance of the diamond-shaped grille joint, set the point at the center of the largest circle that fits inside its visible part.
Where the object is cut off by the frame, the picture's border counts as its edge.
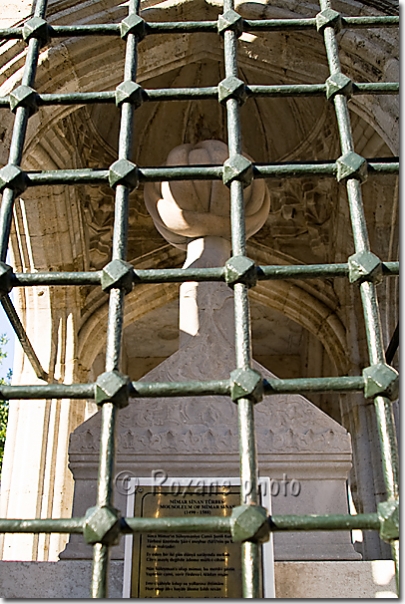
(36, 28)
(123, 172)
(328, 18)
(102, 525)
(129, 92)
(133, 24)
(365, 266)
(23, 96)
(117, 273)
(6, 273)
(232, 88)
(351, 165)
(239, 168)
(250, 523)
(338, 83)
(240, 269)
(13, 177)
(246, 383)
(230, 20)
(381, 380)
(112, 387)
(388, 515)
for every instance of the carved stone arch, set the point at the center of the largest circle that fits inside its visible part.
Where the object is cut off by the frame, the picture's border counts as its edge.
(65, 66)
(312, 314)
(146, 298)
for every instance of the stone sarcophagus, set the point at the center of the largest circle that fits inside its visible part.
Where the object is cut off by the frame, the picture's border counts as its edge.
(305, 453)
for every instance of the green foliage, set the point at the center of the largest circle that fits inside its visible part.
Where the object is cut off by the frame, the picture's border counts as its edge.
(3, 404)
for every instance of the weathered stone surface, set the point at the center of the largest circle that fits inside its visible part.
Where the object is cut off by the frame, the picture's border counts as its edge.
(71, 579)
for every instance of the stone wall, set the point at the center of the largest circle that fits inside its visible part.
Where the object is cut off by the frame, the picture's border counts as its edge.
(71, 579)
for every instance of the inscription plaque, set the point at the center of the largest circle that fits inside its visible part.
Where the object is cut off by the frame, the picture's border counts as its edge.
(188, 565)
(185, 565)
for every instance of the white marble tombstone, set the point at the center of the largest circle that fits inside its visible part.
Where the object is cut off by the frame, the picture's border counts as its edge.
(306, 454)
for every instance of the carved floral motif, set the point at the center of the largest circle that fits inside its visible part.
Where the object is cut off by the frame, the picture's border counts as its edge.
(284, 424)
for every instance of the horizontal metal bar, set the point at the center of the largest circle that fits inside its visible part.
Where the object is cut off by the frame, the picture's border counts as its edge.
(171, 389)
(42, 525)
(181, 275)
(367, 22)
(113, 29)
(172, 173)
(195, 524)
(317, 384)
(190, 524)
(56, 278)
(223, 387)
(185, 27)
(328, 522)
(316, 271)
(11, 33)
(96, 29)
(178, 275)
(375, 88)
(82, 176)
(76, 98)
(181, 94)
(209, 92)
(278, 24)
(47, 391)
(325, 169)
(191, 388)
(302, 271)
(389, 166)
(87, 98)
(305, 90)
(310, 23)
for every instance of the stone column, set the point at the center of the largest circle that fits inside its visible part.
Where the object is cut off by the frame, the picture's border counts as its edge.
(36, 481)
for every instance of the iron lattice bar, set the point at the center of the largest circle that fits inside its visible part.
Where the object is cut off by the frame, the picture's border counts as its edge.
(327, 169)
(383, 407)
(115, 318)
(175, 389)
(251, 569)
(193, 388)
(181, 275)
(195, 524)
(251, 25)
(86, 176)
(19, 132)
(211, 92)
(172, 173)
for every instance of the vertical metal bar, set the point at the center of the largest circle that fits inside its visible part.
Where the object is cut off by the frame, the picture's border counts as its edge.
(251, 566)
(383, 407)
(19, 132)
(99, 584)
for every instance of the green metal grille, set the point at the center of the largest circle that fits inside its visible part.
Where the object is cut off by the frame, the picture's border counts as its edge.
(350, 168)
